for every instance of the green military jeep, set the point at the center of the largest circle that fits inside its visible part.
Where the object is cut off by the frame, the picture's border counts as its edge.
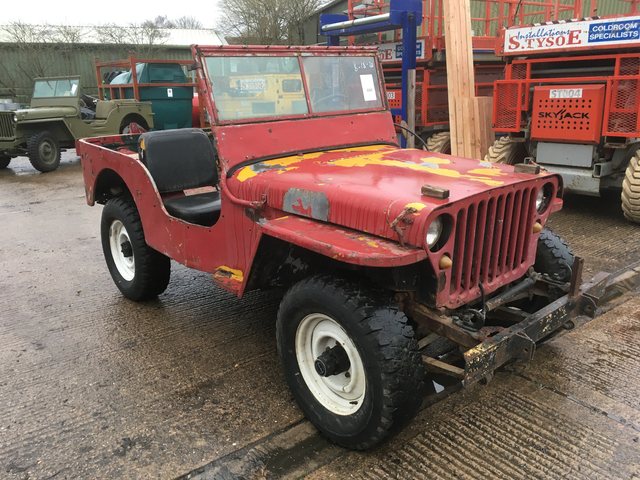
(58, 116)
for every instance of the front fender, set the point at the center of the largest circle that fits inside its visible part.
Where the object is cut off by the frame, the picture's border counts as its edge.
(342, 244)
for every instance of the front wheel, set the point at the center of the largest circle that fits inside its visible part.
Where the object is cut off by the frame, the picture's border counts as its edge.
(139, 271)
(553, 256)
(44, 151)
(351, 362)
(5, 160)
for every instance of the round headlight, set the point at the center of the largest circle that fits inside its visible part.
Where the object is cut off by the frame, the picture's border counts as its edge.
(15, 118)
(543, 198)
(434, 231)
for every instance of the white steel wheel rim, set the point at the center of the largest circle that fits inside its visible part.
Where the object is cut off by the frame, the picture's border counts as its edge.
(343, 393)
(118, 236)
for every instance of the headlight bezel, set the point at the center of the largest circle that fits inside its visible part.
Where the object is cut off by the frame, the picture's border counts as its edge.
(443, 222)
(543, 198)
(435, 235)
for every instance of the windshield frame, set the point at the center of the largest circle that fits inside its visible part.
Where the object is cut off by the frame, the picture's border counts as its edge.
(288, 52)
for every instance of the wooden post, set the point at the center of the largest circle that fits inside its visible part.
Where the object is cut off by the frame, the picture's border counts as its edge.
(469, 116)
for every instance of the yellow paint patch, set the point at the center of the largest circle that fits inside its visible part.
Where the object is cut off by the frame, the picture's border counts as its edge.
(374, 155)
(371, 243)
(487, 172)
(416, 206)
(436, 160)
(246, 173)
(232, 273)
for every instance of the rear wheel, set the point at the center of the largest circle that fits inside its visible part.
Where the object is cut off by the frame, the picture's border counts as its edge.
(44, 151)
(132, 124)
(506, 150)
(139, 271)
(631, 189)
(351, 361)
(5, 160)
(439, 142)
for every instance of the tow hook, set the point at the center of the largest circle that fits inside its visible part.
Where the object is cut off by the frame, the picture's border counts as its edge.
(332, 362)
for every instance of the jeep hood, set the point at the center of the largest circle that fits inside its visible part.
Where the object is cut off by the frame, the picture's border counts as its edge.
(367, 188)
(38, 113)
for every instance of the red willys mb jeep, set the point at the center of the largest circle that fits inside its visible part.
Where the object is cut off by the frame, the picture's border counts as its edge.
(400, 266)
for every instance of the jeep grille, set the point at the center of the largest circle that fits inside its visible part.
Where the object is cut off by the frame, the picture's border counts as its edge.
(493, 243)
(7, 127)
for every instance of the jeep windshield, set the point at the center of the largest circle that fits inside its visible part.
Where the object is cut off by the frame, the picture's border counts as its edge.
(51, 88)
(247, 88)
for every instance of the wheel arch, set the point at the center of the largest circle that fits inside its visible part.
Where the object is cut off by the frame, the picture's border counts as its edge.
(108, 184)
(279, 263)
(58, 128)
(134, 117)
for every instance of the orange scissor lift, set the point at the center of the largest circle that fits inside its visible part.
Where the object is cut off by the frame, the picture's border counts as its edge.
(488, 19)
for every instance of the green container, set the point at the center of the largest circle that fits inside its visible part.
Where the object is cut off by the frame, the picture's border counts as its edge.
(171, 106)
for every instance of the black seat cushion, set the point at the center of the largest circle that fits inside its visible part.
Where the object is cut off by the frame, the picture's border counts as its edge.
(179, 159)
(201, 209)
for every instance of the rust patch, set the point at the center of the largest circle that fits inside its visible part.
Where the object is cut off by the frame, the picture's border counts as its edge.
(306, 203)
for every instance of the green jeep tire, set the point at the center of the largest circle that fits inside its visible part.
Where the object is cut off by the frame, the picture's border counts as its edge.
(44, 151)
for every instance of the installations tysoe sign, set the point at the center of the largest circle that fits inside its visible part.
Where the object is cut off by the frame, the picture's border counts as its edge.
(573, 35)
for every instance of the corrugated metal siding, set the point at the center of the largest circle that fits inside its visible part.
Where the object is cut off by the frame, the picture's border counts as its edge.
(19, 65)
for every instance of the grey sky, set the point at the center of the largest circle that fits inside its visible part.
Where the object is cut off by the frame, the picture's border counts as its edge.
(123, 12)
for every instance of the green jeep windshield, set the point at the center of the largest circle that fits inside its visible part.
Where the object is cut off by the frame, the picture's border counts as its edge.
(251, 87)
(66, 87)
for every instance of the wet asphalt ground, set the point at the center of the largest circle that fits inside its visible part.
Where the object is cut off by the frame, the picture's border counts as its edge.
(95, 386)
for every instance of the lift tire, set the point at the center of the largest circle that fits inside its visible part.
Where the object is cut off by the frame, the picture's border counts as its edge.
(44, 151)
(553, 257)
(5, 160)
(383, 355)
(631, 190)
(145, 272)
(505, 150)
(439, 143)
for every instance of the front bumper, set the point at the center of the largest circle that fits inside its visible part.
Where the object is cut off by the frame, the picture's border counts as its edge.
(486, 350)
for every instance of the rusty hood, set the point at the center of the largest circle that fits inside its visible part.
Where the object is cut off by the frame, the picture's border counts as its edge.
(368, 188)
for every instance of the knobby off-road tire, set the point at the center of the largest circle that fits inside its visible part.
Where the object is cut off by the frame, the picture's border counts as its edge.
(43, 151)
(631, 190)
(506, 151)
(553, 257)
(139, 271)
(4, 161)
(385, 382)
(439, 143)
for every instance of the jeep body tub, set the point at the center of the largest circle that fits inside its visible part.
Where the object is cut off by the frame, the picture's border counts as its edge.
(309, 183)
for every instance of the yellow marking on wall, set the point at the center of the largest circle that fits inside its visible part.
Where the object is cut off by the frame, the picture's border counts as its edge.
(232, 273)
(416, 206)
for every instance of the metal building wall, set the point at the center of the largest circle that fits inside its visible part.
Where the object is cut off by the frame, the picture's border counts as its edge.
(20, 64)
